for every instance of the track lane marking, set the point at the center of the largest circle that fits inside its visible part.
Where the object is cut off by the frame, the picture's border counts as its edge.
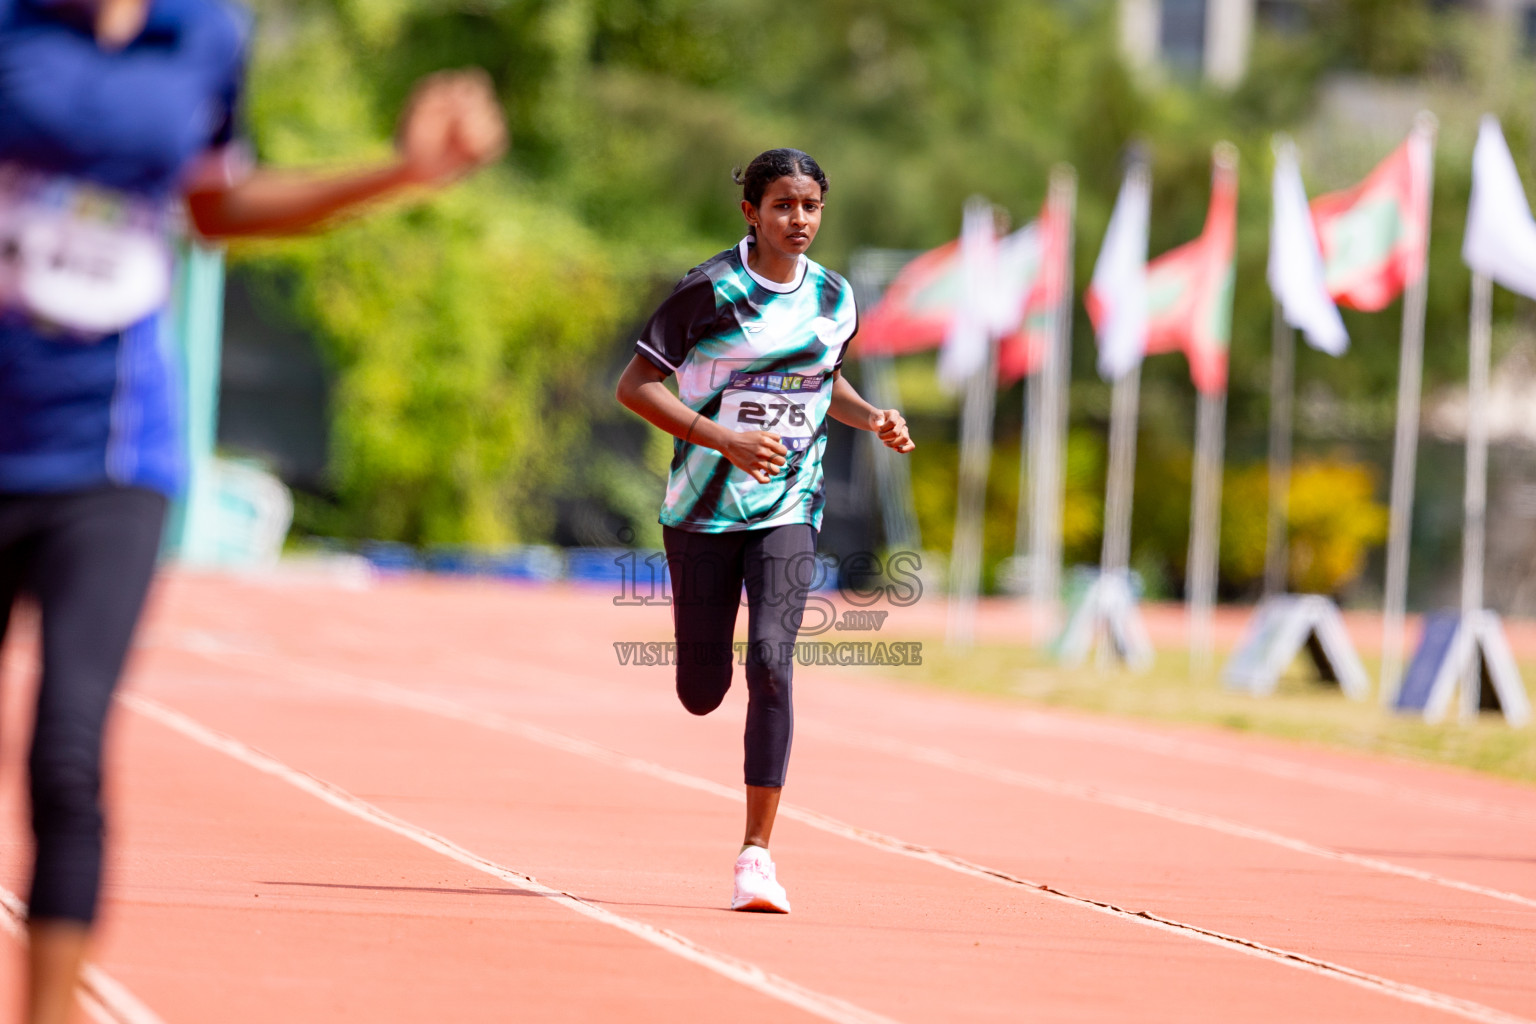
(945, 759)
(733, 968)
(1045, 723)
(103, 996)
(940, 758)
(389, 693)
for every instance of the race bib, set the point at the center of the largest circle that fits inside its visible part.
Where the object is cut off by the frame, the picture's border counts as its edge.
(783, 403)
(79, 257)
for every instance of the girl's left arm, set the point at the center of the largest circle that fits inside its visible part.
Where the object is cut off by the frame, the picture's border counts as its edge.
(848, 407)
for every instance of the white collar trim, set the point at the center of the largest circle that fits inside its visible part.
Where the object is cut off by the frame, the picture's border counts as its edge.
(773, 286)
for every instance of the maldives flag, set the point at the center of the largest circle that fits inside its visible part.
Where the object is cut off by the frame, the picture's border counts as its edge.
(1189, 289)
(1024, 280)
(1042, 275)
(1373, 236)
(918, 307)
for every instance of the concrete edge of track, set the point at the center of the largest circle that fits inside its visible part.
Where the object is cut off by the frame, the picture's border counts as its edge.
(391, 694)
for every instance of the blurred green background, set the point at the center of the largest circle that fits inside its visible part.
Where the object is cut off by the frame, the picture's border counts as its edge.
(443, 374)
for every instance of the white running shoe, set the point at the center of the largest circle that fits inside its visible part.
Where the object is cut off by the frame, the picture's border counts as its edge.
(756, 886)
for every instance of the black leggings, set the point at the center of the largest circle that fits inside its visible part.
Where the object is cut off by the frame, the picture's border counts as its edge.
(87, 557)
(708, 570)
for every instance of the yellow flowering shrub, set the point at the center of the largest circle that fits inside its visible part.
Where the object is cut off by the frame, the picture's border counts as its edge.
(1333, 520)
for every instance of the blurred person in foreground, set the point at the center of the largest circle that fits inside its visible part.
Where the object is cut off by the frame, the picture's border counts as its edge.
(115, 115)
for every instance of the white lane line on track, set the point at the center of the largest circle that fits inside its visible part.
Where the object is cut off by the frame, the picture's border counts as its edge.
(1043, 723)
(388, 693)
(1092, 794)
(102, 995)
(740, 971)
(1055, 787)
(1038, 723)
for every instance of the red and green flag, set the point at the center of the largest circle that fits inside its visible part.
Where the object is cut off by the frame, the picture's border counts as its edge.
(1023, 344)
(1028, 273)
(1189, 289)
(1373, 236)
(917, 308)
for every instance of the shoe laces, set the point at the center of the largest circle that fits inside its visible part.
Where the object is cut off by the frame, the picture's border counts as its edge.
(760, 866)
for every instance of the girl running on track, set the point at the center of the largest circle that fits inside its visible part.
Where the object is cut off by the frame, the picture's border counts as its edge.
(112, 112)
(756, 336)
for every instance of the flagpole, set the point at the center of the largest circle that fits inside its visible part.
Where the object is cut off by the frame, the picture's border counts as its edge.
(1030, 465)
(979, 403)
(1475, 495)
(1125, 399)
(1205, 501)
(1106, 619)
(1475, 501)
(975, 459)
(1056, 375)
(1282, 370)
(1205, 525)
(1052, 476)
(1405, 447)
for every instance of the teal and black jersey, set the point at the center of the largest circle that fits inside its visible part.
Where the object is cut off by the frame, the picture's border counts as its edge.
(751, 354)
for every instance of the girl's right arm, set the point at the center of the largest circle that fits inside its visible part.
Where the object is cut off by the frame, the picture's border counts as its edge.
(642, 391)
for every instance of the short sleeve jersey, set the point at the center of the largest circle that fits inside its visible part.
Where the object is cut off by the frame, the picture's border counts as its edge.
(73, 414)
(751, 354)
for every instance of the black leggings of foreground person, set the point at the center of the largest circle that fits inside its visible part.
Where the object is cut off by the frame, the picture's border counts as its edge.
(86, 553)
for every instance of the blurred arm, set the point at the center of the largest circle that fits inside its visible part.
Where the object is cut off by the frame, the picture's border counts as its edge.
(450, 127)
(273, 202)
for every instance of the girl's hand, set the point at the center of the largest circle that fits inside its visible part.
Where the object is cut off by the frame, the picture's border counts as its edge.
(755, 452)
(891, 426)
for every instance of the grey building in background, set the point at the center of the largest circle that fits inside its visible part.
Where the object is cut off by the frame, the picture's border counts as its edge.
(1212, 39)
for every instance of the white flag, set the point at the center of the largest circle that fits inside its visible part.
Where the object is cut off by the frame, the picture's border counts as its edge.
(1501, 236)
(1018, 265)
(1117, 296)
(1296, 275)
(970, 332)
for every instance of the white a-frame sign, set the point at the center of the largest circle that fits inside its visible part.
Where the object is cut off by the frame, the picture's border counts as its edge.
(1464, 653)
(1105, 615)
(1282, 628)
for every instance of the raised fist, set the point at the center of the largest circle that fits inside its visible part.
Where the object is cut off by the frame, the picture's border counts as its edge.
(450, 127)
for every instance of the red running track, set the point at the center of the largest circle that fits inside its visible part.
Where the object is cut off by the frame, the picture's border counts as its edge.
(432, 800)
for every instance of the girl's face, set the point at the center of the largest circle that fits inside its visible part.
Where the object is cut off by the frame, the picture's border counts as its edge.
(789, 215)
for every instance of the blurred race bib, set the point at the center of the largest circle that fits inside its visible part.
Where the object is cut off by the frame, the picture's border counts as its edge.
(783, 403)
(78, 257)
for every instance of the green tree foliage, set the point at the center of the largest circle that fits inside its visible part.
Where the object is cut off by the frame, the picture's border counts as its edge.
(474, 339)
(460, 331)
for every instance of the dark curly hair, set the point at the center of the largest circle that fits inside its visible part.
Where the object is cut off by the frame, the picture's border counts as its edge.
(766, 168)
